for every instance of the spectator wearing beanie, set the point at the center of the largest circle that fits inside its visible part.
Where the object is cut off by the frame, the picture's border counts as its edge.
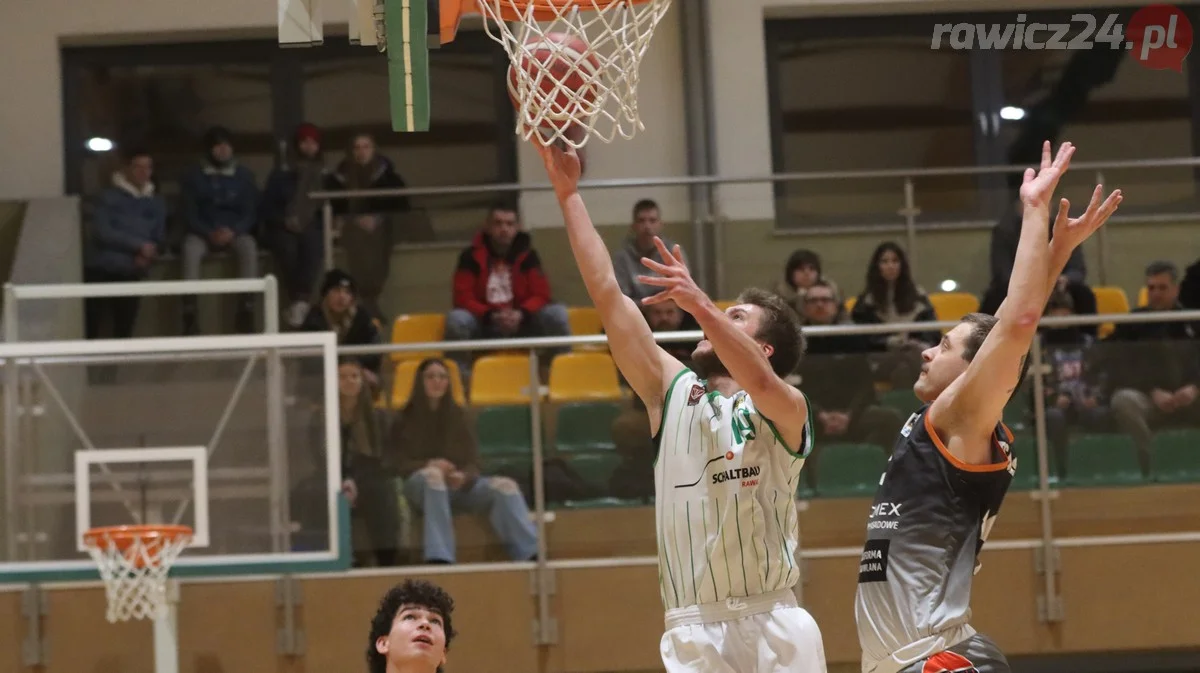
(220, 209)
(341, 313)
(293, 220)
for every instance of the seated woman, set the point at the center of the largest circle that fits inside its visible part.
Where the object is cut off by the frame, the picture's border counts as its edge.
(366, 481)
(891, 296)
(437, 455)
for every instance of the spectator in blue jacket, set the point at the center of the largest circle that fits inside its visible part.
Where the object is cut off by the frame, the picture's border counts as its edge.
(293, 220)
(127, 232)
(220, 210)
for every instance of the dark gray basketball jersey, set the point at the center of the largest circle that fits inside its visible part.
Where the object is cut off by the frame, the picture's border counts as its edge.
(930, 518)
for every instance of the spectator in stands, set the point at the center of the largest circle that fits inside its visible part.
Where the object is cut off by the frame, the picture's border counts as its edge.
(127, 232)
(1157, 381)
(220, 209)
(366, 222)
(1189, 288)
(340, 312)
(1074, 390)
(668, 317)
(627, 261)
(500, 289)
(293, 219)
(803, 269)
(892, 296)
(836, 375)
(365, 478)
(436, 453)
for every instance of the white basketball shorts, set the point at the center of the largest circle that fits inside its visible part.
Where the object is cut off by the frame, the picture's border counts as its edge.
(781, 638)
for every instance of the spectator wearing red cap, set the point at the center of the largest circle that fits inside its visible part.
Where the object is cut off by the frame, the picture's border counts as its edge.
(293, 219)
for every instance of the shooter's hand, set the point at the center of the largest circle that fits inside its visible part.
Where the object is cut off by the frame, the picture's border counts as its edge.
(562, 167)
(674, 277)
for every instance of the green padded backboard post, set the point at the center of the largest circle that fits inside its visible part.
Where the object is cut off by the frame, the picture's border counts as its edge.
(408, 63)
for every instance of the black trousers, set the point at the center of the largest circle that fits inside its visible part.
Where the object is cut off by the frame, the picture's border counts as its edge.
(121, 312)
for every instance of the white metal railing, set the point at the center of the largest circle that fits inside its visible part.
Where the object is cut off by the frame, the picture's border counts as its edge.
(707, 217)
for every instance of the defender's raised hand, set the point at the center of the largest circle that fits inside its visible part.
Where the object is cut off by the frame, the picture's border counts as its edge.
(674, 277)
(1038, 186)
(1072, 231)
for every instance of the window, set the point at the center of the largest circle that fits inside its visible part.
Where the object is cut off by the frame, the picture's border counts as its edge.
(871, 94)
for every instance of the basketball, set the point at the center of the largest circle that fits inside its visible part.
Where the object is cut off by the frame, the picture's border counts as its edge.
(563, 72)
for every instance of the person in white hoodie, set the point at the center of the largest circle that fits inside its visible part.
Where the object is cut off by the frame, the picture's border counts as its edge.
(126, 234)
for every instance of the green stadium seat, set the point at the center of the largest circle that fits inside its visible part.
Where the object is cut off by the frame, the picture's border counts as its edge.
(505, 440)
(1102, 460)
(598, 503)
(586, 427)
(583, 437)
(1026, 478)
(849, 470)
(903, 400)
(1175, 456)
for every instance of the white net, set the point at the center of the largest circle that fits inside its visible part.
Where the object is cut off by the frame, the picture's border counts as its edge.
(134, 568)
(562, 95)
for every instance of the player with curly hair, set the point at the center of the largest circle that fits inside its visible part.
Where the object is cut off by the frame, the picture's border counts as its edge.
(411, 631)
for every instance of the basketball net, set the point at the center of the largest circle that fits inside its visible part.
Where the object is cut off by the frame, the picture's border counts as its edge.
(134, 562)
(617, 33)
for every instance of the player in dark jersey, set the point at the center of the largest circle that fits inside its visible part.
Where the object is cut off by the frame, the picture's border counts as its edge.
(952, 464)
(411, 630)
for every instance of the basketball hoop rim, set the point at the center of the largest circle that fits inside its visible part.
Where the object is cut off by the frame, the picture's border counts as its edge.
(452, 11)
(123, 537)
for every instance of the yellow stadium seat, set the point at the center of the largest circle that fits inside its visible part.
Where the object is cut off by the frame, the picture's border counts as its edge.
(1143, 297)
(406, 373)
(584, 377)
(1109, 300)
(724, 305)
(585, 321)
(953, 305)
(850, 302)
(415, 328)
(500, 379)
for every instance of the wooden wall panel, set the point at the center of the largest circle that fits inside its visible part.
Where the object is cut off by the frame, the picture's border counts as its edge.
(12, 626)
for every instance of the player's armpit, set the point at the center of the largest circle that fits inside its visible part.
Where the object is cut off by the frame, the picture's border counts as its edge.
(786, 409)
(966, 413)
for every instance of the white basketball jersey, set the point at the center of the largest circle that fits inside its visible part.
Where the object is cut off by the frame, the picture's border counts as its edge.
(725, 503)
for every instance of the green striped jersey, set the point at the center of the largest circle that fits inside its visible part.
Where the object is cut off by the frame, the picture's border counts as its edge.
(725, 504)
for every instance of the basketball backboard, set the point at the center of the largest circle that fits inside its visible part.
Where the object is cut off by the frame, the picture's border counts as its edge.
(236, 437)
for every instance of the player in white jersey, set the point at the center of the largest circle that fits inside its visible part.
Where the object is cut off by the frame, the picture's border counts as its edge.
(732, 435)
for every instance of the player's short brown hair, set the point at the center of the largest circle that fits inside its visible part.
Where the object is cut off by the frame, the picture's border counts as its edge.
(780, 328)
(981, 326)
(424, 594)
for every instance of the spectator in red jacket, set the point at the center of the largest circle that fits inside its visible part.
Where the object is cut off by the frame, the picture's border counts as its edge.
(500, 289)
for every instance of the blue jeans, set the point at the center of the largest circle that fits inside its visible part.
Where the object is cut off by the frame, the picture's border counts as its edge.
(498, 497)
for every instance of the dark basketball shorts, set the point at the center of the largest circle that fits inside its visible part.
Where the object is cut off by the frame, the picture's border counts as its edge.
(977, 654)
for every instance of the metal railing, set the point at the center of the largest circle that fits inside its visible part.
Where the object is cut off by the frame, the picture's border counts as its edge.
(908, 215)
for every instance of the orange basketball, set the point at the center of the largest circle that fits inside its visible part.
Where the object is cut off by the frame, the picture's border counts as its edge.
(563, 71)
